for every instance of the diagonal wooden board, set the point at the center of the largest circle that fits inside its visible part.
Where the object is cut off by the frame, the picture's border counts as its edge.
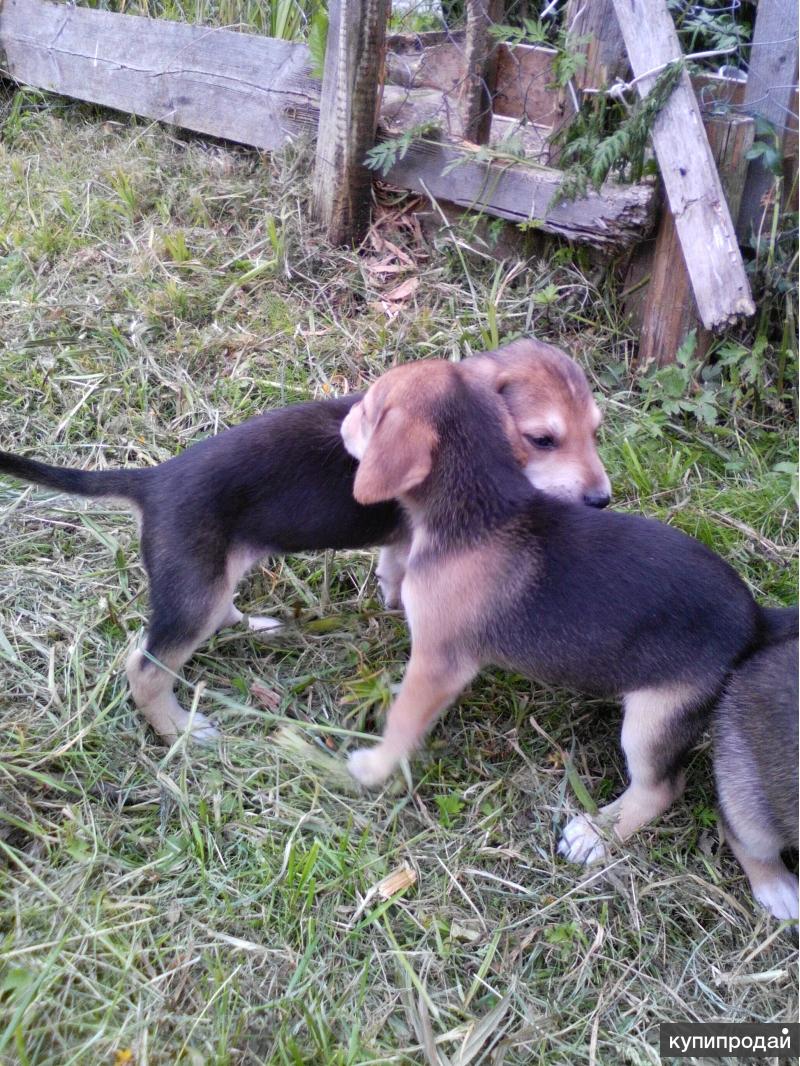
(696, 199)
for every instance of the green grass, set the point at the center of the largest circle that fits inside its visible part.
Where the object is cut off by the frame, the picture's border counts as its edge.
(200, 906)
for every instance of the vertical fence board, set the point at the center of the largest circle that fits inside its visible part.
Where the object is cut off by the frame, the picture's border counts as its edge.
(771, 93)
(348, 116)
(606, 58)
(480, 81)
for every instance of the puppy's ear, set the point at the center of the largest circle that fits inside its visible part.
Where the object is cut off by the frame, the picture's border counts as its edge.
(398, 457)
(501, 381)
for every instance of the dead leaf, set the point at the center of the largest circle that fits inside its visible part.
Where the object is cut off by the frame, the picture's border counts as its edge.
(267, 697)
(403, 291)
(395, 882)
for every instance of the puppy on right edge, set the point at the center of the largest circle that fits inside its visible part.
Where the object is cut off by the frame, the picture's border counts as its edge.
(755, 764)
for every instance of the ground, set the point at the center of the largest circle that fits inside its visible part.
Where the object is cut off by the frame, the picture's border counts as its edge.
(218, 905)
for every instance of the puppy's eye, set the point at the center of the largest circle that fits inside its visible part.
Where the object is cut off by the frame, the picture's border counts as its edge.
(545, 441)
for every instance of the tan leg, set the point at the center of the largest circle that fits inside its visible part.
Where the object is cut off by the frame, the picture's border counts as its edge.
(429, 686)
(773, 884)
(654, 737)
(392, 563)
(152, 692)
(152, 687)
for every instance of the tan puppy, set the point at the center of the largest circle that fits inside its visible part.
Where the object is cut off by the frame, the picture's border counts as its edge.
(548, 398)
(499, 572)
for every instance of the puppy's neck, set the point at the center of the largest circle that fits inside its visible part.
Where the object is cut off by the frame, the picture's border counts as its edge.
(475, 484)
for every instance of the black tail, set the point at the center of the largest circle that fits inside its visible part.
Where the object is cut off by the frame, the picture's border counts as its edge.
(125, 483)
(778, 623)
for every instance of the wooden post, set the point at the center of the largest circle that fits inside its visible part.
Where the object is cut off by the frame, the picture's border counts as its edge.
(606, 59)
(670, 310)
(348, 116)
(480, 81)
(702, 219)
(770, 93)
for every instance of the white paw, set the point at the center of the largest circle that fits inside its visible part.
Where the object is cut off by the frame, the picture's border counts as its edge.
(261, 623)
(202, 731)
(390, 593)
(779, 896)
(369, 766)
(581, 842)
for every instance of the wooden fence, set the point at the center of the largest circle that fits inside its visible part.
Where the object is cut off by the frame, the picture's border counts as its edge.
(260, 92)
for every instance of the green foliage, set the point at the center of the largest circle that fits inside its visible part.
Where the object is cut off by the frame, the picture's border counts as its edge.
(530, 31)
(596, 144)
(711, 27)
(289, 20)
(317, 40)
(570, 54)
(450, 806)
(383, 156)
(736, 377)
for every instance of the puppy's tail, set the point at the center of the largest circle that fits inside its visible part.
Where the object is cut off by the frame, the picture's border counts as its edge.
(778, 623)
(128, 484)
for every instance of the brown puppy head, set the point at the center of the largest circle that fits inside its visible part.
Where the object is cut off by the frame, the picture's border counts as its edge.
(548, 398)
(390, 432)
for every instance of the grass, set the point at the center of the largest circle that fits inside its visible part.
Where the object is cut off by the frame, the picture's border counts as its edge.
(219, 906)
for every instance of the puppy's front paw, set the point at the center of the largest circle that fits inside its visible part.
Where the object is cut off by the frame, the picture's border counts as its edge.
(369, 766)
(581, 842)
(779, 895)
(263, 623)
(203, 730)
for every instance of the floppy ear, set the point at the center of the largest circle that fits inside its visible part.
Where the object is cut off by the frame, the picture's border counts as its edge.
(398, 457)
(501, 382)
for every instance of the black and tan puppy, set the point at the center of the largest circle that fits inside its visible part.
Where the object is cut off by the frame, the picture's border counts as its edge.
(282, 482)
(756, 767)
(608, 604)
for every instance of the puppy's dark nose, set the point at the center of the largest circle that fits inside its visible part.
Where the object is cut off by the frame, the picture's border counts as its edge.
(596, 499)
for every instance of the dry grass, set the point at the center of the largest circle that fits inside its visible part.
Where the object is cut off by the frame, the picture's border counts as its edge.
(218, 906)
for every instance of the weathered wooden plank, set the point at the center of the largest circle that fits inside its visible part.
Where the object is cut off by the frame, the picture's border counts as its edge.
(439, 66)
(670, 310)
(771, 93)
(403, 108)
(692, 185)
(250, 89)
(612, 219)
(524, 73)
(480, 55)
(258, 91)
(606, 59)
(348, 116)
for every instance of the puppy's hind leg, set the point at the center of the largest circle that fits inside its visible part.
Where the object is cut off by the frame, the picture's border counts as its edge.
(151, 678)
(774, 885)
(659, 727)
(431, 683)
(392, 565)
(185, 613)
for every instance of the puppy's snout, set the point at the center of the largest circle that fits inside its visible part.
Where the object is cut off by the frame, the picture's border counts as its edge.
(597, 499)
